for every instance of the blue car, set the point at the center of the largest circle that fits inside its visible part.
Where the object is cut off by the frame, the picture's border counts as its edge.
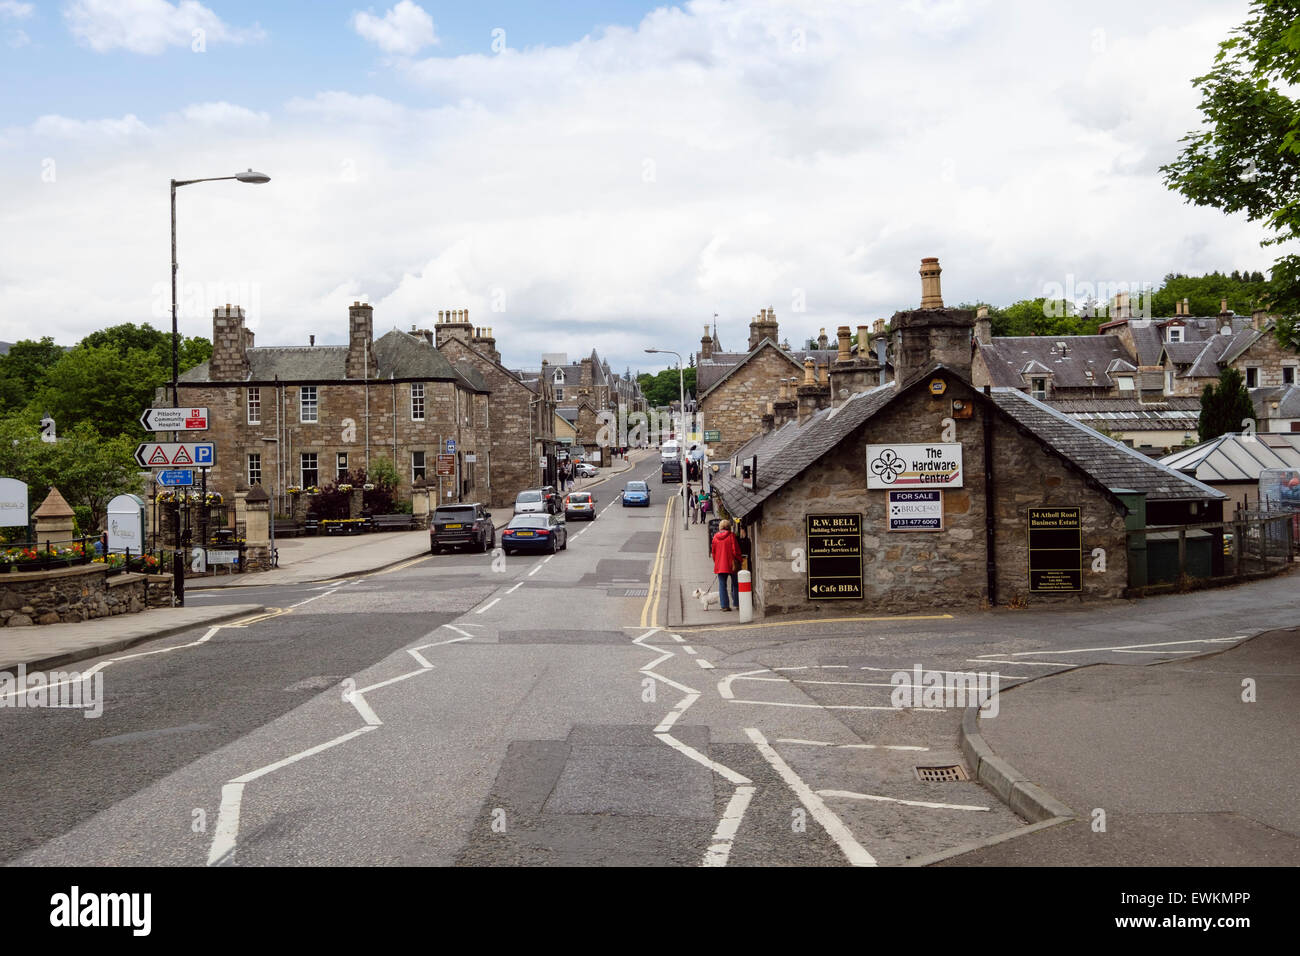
(636, 493)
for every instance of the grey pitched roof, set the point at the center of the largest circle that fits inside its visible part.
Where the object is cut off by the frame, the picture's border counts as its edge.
(725, 374)
(1008, 357)
(1234, 457)
(403, 355)
(1130, 414)
(786, 452)
(570, 415)
(1286, 396)
(1113, 464)
(472, 376)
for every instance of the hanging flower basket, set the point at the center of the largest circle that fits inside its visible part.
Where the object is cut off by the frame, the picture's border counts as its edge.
(213, 498)
(368, 486)
(313, 490)
(345, 488)
(294, 490)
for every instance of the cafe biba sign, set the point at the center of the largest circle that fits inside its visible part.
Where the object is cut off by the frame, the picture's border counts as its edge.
(895, 467)
(834, 544)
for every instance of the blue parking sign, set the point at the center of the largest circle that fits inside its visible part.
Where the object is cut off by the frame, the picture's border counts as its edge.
(451, 445)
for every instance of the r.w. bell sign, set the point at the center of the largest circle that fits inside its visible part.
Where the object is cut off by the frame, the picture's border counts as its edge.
(892, 467)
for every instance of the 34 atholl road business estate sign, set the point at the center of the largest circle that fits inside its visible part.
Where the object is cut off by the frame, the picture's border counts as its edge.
(1055, 549)
(834, 549)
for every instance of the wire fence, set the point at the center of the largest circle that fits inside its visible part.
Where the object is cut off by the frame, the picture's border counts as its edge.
(1252, 544)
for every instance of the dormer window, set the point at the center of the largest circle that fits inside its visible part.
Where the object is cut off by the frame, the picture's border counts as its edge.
(1174, 333)
(1038, 388)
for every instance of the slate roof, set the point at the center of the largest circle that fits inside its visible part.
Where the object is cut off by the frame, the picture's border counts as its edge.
(1130, 414)
(1286, 396)
(397, 353)
(1113, 464)
(786, 452)
(1232, 457)
(1008, 356)
(711, 371)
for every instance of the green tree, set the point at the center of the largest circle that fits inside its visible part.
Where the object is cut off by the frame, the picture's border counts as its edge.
(1246, 155)
(103, 386)
(23, 371)
(1225, 408)
(663, 388)
(88, 468)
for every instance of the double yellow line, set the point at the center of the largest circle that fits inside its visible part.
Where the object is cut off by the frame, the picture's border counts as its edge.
(650, 612)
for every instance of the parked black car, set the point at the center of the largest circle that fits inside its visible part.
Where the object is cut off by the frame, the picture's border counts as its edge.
(455, 526)
(541, 532)
(670, 470)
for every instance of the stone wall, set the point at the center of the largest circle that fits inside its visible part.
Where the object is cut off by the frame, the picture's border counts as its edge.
(341, 428)
(512, 422)
(907, 572)
(70, 595)
(735, 407)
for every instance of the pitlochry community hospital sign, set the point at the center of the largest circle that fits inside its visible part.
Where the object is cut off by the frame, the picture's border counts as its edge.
(893, 467)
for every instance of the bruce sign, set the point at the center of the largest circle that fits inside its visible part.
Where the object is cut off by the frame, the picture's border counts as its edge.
(914, 466)
(916, 511)
(834, 549)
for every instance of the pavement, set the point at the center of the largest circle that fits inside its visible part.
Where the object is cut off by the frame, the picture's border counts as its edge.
(691, 567)
(1188, 762)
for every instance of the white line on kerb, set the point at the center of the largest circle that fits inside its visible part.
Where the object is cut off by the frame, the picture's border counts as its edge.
(723, 837)
(850, 795)
(834, 827)
(515, 588)
(487, 607)
(1117, 647)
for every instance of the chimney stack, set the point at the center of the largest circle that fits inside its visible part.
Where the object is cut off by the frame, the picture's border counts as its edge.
(931, 334)
(311, 341)
(1223, 307)
(361, 361)
(931, 295)
(230, 341)
(983, 326)
(706, 344)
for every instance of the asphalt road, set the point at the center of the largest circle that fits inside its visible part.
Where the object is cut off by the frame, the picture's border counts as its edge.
(478, 710)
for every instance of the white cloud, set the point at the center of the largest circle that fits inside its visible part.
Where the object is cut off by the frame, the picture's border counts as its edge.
(720, 157)
(17, 11)
(17, 38)
(149, 26)
(404, 30)
(223, 114)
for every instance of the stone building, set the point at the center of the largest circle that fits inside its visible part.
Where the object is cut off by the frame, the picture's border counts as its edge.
(522, 433)
(296, 417)
(737, 389)
(931, 485)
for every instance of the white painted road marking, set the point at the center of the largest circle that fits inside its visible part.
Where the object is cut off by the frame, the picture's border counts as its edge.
(850, 795)
(725, 834)
(487, 607)
(833, 825)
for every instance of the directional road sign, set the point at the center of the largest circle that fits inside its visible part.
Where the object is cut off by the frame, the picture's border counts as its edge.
(152, 454)
(176, 478)
(174, 419)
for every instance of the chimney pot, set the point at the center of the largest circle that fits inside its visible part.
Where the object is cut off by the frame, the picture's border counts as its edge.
(311, 340)
(809, 372)
(843, 334)
(931, 295)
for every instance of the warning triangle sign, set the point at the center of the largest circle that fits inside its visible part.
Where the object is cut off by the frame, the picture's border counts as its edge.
(159, 457)
(182, 457)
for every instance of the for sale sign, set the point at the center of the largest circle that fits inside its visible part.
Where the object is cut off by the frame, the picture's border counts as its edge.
(916, 511)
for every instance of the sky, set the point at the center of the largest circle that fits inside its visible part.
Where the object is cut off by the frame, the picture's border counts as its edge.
(586, 174)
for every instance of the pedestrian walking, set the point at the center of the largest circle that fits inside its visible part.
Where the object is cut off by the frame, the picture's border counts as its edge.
(691, 505)
(726, 562)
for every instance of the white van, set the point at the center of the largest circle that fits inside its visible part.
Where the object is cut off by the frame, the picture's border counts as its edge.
(670, 449)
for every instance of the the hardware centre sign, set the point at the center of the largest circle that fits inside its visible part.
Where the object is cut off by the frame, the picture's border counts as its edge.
(914, 466)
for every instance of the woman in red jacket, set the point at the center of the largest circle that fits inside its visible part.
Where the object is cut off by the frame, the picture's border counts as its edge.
(726, 562)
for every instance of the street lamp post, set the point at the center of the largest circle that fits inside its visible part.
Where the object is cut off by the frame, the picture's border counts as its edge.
(249, 176)
(681, 442)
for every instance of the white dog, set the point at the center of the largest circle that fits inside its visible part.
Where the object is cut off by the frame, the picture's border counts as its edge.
(706, 596)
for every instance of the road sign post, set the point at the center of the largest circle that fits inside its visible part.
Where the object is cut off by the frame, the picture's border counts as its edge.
(174, 419)
(154, 454)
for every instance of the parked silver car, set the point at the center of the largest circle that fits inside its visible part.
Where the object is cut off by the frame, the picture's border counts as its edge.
(531, 502)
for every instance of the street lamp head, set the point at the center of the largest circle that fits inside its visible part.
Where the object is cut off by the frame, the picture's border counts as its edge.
(252, 177)
(652, 350)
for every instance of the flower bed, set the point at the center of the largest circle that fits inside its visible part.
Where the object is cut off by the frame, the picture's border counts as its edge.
(43, 559)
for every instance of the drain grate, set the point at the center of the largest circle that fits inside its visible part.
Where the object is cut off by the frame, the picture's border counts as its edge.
(941, 774)
(637, 592)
